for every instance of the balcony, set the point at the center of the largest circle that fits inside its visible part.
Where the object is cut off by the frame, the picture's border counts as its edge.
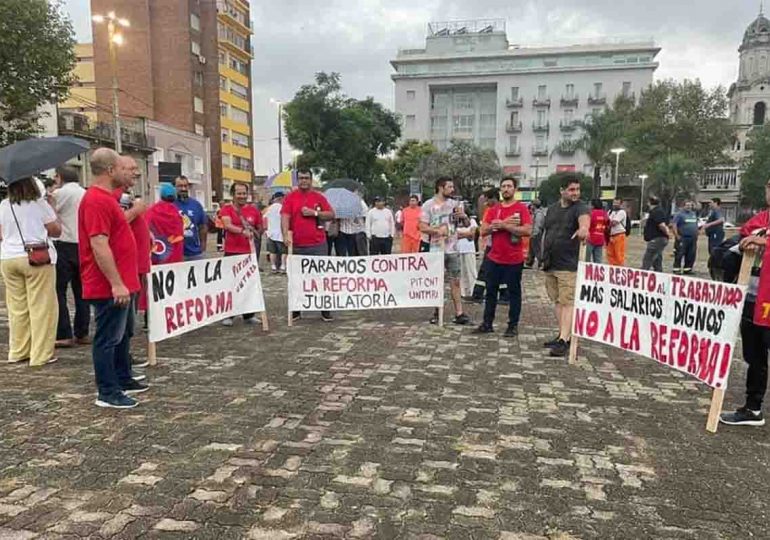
(233, 14)
(541, 102)
(568, 125)
(514, 127)
(597, 99)
(566, 148)
(513, 152)
(132, 134)
(514, 103)
(569, 101)
(540, 152)
(540, 128)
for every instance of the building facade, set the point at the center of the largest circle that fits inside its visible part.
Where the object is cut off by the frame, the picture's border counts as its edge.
(82, 96)
(186, 64)
(470, 83)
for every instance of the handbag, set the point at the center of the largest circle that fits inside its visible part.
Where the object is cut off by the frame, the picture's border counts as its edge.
(37, 252)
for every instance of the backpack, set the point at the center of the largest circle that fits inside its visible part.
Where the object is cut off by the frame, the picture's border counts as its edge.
(628, 225)
(725, 262)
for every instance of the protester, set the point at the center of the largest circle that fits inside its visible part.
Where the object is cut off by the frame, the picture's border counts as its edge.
(27, 220)
(566, 226)
(616, 247)
(467, 250)
(755, 339)
(507, 224)
(380, 228)
(410, 222)
(352, 235)
(538, 218)
(439, 221)
(168, 226)
(685, 229)
(656, 235)
(195, 220)
(303, 214)
(715, 224)
(242, 223)
(66, 202)
(108, 262)
(597, 232)
(275, 247)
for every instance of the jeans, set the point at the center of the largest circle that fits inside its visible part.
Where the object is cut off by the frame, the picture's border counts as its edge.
(684, 249)
(111, 347)
(380, 246)
(715, 239)
(319, 250)
(68, 273)
(594, 253)
(653, 255)
(756, 341)
(510, 275)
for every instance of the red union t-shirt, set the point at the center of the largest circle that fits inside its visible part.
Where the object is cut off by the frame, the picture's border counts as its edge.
(305, 231)
(599, 223)
(100, 214)
(503, 250)
(238, 243)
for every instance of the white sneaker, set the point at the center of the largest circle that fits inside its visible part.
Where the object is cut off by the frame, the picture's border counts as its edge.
(227, 322)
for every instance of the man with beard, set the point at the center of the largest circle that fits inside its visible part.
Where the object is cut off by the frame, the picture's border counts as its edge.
(194, 218)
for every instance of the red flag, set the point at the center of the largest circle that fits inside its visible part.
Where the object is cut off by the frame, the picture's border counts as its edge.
(762, 305)
(167, 230)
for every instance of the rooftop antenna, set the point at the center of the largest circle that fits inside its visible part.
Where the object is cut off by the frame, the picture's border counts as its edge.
(761, 7)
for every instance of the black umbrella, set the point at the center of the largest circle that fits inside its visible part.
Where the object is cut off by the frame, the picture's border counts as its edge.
(344, 183)
(26, 158)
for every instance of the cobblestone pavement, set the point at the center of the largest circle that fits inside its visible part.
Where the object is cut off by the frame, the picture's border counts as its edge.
(377, 425)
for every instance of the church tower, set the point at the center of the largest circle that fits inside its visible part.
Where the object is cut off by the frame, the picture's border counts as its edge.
(750, 95)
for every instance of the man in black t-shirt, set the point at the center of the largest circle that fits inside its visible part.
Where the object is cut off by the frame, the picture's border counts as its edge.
(656, 235)
(565, 227)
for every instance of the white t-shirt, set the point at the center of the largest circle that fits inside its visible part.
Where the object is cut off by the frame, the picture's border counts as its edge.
(273, 218)
(620, 217)
(380, 223)
(66, 201)
(33, 217)
(466, 245)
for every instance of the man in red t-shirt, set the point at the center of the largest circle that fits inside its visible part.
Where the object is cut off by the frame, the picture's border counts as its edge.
(597, 232)
(302, 215)
(242, 223)
(507, 223)
(108, 268)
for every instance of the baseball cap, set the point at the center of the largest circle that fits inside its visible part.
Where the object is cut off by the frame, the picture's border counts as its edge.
(167, 191)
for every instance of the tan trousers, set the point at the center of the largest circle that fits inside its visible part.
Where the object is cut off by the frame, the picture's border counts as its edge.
(30, 294)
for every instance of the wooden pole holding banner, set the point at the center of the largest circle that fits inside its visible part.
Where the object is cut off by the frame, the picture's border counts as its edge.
(291, 252)
(718, 395)
(152, 350)
(441, 309)
(573, 342)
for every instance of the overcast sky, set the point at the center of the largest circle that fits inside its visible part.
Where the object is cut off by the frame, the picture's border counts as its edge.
(293, 39)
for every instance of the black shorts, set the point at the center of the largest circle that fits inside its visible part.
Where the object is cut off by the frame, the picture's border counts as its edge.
(275, 247)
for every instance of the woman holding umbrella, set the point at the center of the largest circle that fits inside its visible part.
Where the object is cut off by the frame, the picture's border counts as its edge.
(27, 262)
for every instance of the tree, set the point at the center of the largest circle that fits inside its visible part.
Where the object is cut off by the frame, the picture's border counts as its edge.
(341, 135)
(756, 168)
(550, 188)
(674, 177)
(403, 166)
(37, 56)
(469, 166)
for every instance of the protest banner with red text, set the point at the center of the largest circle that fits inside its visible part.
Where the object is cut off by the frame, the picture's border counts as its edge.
(684, 323)
(359, 283)
(189, 295)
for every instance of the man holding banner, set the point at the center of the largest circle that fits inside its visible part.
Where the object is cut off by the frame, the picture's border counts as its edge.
(302, 215)
(439, 221)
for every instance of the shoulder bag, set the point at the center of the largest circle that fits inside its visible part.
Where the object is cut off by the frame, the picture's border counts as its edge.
(37, 252)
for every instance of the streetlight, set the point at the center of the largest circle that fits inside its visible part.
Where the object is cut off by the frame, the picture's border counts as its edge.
(642, 177)
(280, 123)
(115, 39)
(617, 152)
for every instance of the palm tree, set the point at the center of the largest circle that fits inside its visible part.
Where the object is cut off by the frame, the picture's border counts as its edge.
(673, 177)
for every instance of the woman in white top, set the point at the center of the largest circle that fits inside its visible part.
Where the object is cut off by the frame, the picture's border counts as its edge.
(30, 291)
(467, 250)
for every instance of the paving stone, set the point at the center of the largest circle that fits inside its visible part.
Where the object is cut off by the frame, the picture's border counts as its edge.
(172, 525)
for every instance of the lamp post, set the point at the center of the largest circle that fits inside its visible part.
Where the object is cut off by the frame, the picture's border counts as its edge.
(617, 152)
(642, 177)
(115, 39)
(280, 128)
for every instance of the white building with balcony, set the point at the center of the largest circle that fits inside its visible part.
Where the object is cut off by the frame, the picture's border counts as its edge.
(470, 83)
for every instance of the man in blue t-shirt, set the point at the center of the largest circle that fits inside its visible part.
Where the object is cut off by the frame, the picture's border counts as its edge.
(715, 224)
(686, 233)
(194, 219)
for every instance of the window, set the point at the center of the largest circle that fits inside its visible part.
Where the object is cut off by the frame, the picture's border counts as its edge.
(410, 94)
(515, 93)
(626, 89)
(242, 164)
(759, 113)
(541, 91)
(195, 47)
(222, 58)
(223, 83)
(239, 90)
(540, 118)
(225, 135)
(513, 143)
(240, 67)
(228, 34)
(514, 118)
(199, 130)
(239, 139)
(569, 115)
(195, 22)
(410, 121)
(198, 164)
(569, 91)
(198, 104)
(239, 115)
(198, 78)
(223, 110)
(540, 143)
(598, 89)
(225, 160)
(463, 113)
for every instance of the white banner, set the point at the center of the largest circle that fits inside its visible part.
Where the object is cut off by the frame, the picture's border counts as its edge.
(375, 282)
(685, 323)
(189, 295)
